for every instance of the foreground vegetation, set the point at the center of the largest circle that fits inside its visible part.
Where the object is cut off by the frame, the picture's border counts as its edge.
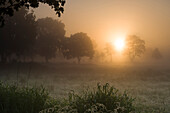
(14, 99)
(149, 85)
(107, 99)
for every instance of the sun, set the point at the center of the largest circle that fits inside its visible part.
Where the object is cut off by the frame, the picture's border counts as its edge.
(119, 44)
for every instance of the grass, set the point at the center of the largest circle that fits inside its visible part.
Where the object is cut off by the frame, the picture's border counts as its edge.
(14, 99)
(104, 98)
(150, 85)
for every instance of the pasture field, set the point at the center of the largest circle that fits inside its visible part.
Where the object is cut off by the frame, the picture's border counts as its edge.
(149, 84)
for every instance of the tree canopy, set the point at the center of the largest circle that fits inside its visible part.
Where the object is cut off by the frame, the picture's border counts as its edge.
(18, 36)
(50, 33)
(8, 7)
(135, 46)
(77, 46)
(23, 37)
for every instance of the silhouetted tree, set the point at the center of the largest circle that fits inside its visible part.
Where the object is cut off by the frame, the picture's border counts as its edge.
(156, 54)
(77, 46)
(18, 36)
(50, 34)
(135, 46)
(25, 34)
(109, 50)
(8, 7)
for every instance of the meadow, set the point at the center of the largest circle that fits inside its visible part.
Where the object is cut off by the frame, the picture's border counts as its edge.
(149, 84)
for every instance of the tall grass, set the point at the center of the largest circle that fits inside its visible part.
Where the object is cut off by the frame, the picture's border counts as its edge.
(14, 99)
(104, 99)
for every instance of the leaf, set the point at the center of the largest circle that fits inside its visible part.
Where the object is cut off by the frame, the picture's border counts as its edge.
(58, 13)
(61, 9)
(63, 2)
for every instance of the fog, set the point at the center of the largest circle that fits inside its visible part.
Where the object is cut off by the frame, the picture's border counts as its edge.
(58, 61)
(102, 21)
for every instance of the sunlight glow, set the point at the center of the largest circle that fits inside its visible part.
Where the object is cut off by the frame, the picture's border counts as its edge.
(119, 44)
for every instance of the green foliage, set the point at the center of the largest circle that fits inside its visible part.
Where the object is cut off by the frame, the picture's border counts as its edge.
(8, 7)
(14, 99)
(105, 99)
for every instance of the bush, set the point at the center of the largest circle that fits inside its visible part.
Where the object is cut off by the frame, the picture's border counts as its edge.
(14, 99)
(105, 99)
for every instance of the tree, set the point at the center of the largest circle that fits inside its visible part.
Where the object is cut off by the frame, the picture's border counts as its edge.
(25, 33)
(109, 50)
(18, 36)
(8, 7)
(77, 46)
(50, 34)
(135, 47)
(156, 54)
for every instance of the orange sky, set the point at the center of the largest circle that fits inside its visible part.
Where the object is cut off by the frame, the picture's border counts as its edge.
(104, 19)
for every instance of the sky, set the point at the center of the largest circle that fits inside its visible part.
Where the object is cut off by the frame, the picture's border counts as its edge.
(103, 20)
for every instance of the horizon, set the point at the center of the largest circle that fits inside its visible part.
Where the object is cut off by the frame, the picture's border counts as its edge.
(103, 20)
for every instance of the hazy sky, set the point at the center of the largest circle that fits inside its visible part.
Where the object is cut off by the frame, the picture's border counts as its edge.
(102, 20)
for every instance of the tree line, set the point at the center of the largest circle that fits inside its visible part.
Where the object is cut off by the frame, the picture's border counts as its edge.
(135, 47)
(23, 37)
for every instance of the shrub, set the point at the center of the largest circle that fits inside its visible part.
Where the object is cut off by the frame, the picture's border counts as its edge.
(104, 99)
(14, 99)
